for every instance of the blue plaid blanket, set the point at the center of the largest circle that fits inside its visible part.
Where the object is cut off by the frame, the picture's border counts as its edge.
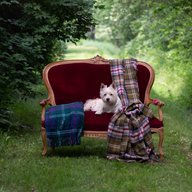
(64, 124)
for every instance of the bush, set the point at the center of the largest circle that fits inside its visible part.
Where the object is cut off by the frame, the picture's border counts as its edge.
(29, 30)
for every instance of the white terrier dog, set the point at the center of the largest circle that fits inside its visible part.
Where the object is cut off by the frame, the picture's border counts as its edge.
(108, 103)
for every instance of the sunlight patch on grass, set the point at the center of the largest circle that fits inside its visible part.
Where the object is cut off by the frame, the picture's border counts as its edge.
(88, 49)
(81, 52)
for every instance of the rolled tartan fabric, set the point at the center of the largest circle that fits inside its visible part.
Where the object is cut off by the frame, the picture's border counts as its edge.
(129, 135)
(64, 124)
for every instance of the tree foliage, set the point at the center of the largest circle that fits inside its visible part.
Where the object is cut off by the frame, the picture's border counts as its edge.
(165, 26)
(29, 30)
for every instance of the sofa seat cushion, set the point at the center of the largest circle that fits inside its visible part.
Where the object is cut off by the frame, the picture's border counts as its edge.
(100, 122)
(155, 123)
(94, 122)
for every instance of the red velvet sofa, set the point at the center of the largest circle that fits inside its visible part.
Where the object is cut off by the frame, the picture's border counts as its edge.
(78, 80)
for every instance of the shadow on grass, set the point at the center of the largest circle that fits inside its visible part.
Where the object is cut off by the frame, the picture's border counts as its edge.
(88, 147)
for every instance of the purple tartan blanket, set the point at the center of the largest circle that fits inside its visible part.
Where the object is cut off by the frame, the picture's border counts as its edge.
(64, 124)
(129, 135)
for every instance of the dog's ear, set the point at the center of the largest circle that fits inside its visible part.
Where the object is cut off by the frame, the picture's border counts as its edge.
(102, 86)
(112, 85)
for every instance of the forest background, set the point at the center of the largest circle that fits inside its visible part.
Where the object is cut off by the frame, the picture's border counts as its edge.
(35, 33)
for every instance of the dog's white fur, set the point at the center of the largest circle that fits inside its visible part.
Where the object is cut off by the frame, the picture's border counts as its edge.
(108, 103)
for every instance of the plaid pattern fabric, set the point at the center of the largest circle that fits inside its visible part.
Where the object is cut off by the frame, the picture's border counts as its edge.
(64, 124)
(129, 135)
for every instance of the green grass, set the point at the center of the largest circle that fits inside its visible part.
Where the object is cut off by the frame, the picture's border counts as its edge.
(89, 49)
(84, 167)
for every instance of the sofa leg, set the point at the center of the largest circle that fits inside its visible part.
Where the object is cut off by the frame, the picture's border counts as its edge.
(43, 135)
(160, 145)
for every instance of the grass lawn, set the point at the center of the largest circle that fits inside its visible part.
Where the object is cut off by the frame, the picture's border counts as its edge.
(84, 168)
(89, 49)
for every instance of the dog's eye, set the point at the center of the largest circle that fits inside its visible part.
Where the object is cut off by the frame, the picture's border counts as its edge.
(111, 94)
(105, 94)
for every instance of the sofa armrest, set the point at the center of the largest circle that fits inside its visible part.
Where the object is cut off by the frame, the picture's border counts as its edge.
(43, 103)
(159, 105)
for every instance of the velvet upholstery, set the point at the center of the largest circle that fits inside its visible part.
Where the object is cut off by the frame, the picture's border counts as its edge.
(79, 82)
(100, 122)
(143, 75)
(155, 123)
(96, 122)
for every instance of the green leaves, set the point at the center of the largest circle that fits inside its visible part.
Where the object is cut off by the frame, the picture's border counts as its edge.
(164, 26)
(28, 33)
(166, 23)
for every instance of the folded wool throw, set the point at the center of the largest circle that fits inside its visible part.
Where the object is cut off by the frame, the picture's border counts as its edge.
(129, 135)
(64, 124)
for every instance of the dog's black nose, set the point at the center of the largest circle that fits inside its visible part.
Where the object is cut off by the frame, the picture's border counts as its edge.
(107, 99)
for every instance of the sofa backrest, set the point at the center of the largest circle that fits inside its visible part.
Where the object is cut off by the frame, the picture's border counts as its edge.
(70, 81)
